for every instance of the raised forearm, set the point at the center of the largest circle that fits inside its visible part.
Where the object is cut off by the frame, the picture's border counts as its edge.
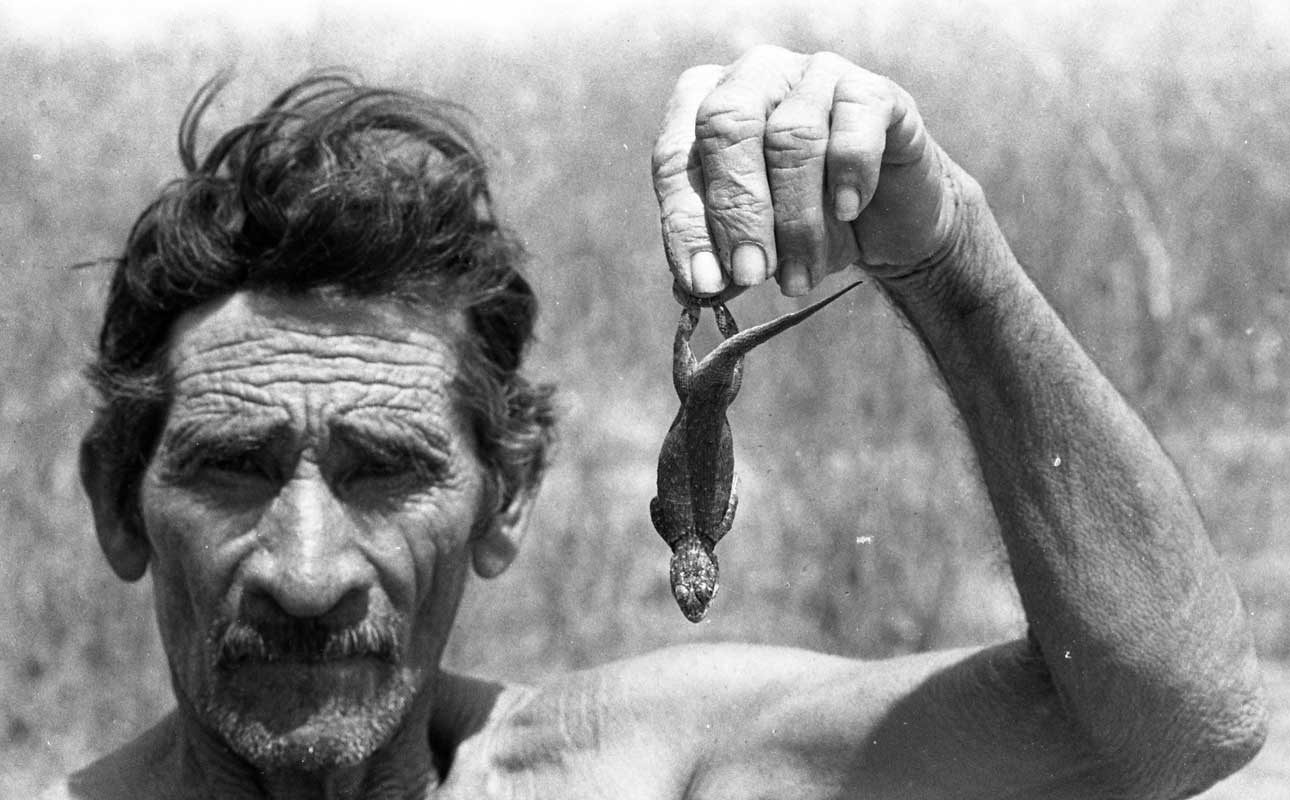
(1136, 619)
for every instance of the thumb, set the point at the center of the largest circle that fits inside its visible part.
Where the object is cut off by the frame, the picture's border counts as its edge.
(911, 217)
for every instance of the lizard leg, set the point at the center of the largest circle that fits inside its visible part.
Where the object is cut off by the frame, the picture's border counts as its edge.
(726, 324)
(725, 321)
(669, 533)
(731, 506)
(683, 360)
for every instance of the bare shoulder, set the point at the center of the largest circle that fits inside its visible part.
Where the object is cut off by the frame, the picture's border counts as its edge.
(706, 721)
(144, 767)
(589, 733)
(688, 721)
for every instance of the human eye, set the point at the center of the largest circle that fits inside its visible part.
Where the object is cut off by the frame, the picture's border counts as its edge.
(392, 469)
(247, 464)
(220, 460)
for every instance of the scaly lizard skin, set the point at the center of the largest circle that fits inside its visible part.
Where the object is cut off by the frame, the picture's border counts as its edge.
(697, 496)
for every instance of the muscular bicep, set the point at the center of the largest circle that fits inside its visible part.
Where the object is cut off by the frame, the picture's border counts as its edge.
(961, 724)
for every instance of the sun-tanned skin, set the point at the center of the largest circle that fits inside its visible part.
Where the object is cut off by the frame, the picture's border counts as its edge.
(697, 495)
(351, 494)
(313, 465)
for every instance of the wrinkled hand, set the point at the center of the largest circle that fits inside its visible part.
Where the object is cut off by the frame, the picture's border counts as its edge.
(796, 166)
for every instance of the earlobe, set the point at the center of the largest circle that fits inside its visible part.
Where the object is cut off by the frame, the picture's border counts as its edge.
(497, 540)
(120, 535)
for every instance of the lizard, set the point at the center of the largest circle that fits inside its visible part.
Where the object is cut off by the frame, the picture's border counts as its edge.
(697, 488)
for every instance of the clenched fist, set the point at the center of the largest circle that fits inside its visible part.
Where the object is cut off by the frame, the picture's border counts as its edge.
(796, 166)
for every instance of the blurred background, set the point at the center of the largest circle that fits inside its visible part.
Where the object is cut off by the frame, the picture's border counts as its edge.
(1137, 155)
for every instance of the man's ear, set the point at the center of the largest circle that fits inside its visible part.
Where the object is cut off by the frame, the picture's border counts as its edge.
(497, 539)
(119, 531)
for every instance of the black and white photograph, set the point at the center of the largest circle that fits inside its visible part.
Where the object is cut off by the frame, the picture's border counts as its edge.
(662, 400)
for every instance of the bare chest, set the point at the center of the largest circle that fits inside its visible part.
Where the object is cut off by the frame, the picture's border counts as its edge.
(480, 774)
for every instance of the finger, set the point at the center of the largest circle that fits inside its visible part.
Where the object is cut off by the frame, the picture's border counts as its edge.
(729, 127)
(810, 241)
(876, 128)
(678, 184)
(872, 125)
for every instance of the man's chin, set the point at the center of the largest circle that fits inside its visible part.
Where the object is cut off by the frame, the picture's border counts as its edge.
(329, 744)
(311, 725)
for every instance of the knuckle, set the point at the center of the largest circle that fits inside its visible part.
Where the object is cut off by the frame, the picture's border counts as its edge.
(683, 234)
(861, 87)
(801, 236)
(671, 157)
(737, 217)
(673, 203)
(737, 205)
(794, 132)
(854, 145)
(727, 117)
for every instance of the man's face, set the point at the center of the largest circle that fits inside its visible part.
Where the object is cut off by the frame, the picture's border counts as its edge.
(309, 509)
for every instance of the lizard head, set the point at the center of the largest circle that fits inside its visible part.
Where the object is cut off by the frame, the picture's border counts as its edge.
(694, 577)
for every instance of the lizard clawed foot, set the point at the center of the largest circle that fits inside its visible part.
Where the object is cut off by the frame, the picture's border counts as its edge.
(725, 320)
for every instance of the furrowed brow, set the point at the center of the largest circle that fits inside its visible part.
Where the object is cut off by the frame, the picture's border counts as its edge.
(219, 437)
(393, 438)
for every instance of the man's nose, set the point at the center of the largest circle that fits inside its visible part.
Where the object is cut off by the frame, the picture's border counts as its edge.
(308, 562)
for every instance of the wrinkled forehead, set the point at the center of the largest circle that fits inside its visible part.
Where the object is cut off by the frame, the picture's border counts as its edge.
(314, 353)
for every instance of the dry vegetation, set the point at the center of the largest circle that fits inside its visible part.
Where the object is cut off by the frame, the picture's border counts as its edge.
(1143, 174)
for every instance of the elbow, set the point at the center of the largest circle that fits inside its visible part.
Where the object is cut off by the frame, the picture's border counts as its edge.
(1231, 734)
(1198, 741)
(1220, 713)
(1196, 710)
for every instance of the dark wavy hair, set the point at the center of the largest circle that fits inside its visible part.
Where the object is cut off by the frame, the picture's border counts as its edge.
(333, 187)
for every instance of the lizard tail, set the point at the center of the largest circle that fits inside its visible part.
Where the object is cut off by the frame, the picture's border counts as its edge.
(739, 344)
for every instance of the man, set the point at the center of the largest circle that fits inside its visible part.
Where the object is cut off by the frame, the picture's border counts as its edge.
(314, 421)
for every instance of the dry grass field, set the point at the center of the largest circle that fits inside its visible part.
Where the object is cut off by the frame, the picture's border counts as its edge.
(1140, 165)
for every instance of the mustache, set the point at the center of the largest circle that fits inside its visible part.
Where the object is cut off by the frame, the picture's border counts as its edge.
(304, 640)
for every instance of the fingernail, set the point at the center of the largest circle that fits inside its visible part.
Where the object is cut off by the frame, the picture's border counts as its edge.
(793, 280)
(846, 203)
(748, 264)
(705, 273)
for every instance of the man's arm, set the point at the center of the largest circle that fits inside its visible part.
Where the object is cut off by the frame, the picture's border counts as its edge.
(1129, 607)
(1138, 678)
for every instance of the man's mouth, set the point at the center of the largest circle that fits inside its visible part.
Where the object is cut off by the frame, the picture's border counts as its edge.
(301, 685)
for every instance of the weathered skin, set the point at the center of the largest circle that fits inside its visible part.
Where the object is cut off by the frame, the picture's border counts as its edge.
(313, 471)
(697, 494)
(1136, 678)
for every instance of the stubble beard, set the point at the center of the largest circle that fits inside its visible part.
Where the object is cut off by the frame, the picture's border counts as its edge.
(296, 698)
